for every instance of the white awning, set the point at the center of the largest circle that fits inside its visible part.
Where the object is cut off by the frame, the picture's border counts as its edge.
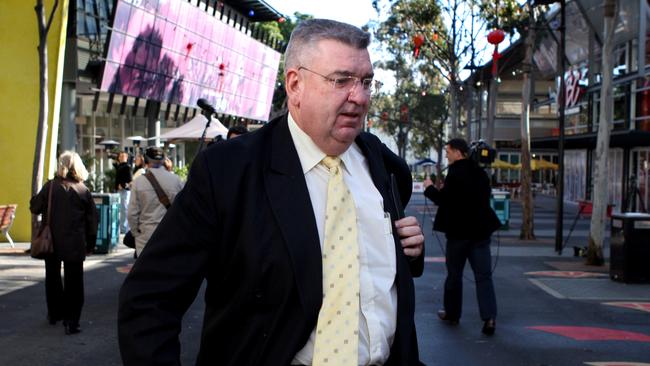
(193, 130)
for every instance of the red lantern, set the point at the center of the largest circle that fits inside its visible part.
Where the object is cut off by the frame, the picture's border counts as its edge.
(495, 37)
(418, 40)
(281, 20)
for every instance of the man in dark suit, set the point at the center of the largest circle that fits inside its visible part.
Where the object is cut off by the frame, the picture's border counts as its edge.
(253, 220)
(465, 216)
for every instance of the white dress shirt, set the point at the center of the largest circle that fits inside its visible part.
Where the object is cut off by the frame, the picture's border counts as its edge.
(377, 262)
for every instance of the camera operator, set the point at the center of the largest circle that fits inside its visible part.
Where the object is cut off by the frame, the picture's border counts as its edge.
(465, 216)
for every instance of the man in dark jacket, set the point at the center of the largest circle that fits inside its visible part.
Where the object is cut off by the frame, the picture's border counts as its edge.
(465, 216)
(269, 217)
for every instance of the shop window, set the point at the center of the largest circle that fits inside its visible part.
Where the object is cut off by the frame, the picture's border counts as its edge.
(620, 108)
(575, 175)
(642, 101)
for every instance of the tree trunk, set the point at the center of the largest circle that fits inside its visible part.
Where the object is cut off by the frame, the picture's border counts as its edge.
(467, 134)
(527, 229)
(41, 130)
(492, 109)
(600, 191)
(453, 112)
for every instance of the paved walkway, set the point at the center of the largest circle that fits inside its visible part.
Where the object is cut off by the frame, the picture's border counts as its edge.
(553, 310)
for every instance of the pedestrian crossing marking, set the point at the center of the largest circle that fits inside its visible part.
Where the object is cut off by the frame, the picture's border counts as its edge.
(593, 333)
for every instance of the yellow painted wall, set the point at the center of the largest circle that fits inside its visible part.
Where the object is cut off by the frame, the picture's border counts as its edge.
(19, 101)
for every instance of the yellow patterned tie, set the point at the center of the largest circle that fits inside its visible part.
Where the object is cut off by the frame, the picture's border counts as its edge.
(337, 332)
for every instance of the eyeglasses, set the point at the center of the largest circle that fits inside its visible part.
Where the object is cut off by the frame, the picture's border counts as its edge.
(345, 84)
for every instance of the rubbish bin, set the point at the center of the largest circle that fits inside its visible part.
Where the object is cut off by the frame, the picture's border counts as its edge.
(500, 203)
(108, 212)
(629, 259)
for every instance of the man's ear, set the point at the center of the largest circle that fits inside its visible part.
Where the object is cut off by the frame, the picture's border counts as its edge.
(293, 86)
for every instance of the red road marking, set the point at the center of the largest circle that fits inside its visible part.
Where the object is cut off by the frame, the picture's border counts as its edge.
(125, 269)
(566, 274)
(594, 334)
(641, 306)
(434, 259)
(617, 363)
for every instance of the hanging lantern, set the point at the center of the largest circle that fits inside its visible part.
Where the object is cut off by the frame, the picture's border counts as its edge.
(418, 40)
(281, 20)
(251, 13)
(435, 37)
(495, 37)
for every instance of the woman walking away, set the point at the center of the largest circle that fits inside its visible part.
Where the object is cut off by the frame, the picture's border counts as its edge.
(74, 232)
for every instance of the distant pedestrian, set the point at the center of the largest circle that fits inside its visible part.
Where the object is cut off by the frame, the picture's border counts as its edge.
(138, 168)
(123, 178)
(235, 131)
(145, 207)
(74, 232)
(465, 216)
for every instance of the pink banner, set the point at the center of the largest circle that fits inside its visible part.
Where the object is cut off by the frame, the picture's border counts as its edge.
(173, 51)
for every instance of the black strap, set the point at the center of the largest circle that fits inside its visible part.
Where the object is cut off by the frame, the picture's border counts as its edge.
(49, 200)
(159, 191)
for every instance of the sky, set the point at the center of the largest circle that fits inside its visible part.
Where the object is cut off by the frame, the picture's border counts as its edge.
(356, 12)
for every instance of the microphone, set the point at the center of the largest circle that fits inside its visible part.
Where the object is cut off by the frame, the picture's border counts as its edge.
(205, 105)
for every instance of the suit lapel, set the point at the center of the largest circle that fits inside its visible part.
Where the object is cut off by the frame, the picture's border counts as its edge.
(289, 199)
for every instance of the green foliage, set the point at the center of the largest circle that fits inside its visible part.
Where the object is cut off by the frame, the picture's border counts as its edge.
(506, 15)
(428, 119)
(284, 29)
(182, 172)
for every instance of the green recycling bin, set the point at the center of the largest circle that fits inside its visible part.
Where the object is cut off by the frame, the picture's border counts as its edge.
(108, 213)
(500, 203)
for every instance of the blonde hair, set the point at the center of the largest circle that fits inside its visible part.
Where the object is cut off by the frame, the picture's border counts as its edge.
(70, 165)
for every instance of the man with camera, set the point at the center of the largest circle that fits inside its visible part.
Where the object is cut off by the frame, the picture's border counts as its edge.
(465, 216)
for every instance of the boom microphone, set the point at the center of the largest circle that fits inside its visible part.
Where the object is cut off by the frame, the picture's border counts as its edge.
(205, 105)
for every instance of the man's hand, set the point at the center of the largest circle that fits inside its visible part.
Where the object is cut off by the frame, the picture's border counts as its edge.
(427, 182)
(410, 232)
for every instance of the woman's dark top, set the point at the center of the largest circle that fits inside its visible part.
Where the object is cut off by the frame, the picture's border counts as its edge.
(73, 220)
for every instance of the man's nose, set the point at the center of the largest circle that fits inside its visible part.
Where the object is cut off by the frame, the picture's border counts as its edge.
(358, 94)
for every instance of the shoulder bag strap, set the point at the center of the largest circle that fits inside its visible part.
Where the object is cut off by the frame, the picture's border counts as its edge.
(49, 200)
(159, 191)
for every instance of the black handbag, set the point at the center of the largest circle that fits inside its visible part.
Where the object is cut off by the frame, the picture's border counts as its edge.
(129, 240)
(42, 244)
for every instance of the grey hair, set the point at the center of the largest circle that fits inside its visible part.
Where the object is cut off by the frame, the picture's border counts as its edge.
(70, 165)
(309, 32)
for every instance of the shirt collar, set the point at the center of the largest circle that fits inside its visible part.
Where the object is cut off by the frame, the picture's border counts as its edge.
(309, 153)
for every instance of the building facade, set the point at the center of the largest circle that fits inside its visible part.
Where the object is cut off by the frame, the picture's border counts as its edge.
(122, 72)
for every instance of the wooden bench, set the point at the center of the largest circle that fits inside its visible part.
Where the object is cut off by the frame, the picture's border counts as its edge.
(7, 213)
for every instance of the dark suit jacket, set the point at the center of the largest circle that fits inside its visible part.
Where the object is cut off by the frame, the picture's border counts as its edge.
(244, 222)
(464, 210)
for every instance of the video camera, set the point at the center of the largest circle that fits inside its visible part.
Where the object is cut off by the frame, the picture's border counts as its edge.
(482, 153)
